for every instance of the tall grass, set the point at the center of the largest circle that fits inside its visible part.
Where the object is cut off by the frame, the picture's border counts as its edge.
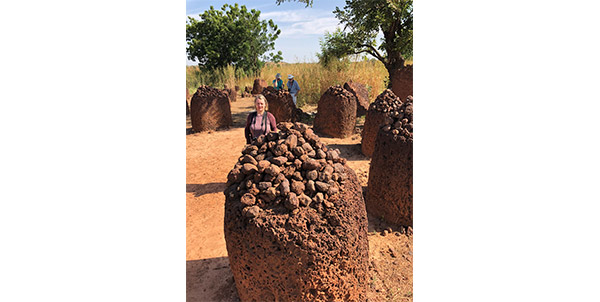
(195, 77)
(313, 78)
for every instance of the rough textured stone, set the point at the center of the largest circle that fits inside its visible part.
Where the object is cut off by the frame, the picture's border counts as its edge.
(305, 256)
(248, 159)
(210, 109)
(305, 200)
(280, 160)
(251, 212)
(259, 85)
(297, 187)
(248, 168)
(292, 202)
(264, 185)
(336, 113)
(273, 170)
(234, 176)
(362, 96)
(284, 187)
(285, 240)
(321, 186)
(231, 94)
(378, 112)
(311, 164)
(187, 100)
(319, 197)
(321, 154)
(291, 141)
(281, 105)
(249, 149)
(262, 165)
(402, 82)
(248, 199)
(280, 150)
(391, 172)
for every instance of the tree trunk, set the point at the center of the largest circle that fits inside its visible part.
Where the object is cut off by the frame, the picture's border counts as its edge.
(400, 76)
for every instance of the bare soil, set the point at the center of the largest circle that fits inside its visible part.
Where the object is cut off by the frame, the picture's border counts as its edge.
(210, 156)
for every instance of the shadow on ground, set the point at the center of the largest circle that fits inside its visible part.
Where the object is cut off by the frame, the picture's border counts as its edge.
(210, 280)
(349, 151)
(189, 130)
(377, 224)
(239, 119)
(201, 189)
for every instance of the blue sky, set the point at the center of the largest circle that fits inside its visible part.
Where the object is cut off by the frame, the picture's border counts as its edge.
(301, 27)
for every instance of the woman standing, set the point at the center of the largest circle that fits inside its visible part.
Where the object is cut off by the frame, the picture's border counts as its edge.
(259, 122)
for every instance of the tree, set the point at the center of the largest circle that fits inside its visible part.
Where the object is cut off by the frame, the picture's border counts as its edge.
(362, 21)
(232, 35)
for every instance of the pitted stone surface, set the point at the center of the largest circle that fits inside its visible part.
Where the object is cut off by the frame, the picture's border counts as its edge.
(231, 94)
(281, 105)
(259, 85)
(187, 100)
(362, 96)
(402, 82)
(379, 111)
(391, 172)
(336, 113)
(298, 239)
(210, 109)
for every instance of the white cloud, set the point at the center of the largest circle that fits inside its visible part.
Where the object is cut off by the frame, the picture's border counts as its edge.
(297, 15)
(313, 27)
(302, 22)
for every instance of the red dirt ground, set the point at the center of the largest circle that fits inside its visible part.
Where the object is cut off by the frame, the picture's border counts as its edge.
(210, 156)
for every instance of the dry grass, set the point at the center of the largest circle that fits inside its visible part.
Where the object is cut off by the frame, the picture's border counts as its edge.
(313, 78)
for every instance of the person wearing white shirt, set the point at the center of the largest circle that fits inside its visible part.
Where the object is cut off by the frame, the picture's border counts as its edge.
(293, 87)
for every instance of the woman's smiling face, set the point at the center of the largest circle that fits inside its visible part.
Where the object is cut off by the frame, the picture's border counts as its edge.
(260, 105)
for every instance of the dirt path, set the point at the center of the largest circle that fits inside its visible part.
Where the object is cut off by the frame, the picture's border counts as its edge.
(210, 156)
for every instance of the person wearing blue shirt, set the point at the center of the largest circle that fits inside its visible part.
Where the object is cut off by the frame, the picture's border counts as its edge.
(278, 83)
(293, 87)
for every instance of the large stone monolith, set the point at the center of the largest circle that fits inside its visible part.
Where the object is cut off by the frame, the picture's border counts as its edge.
(402, 82)
(362, 96)
(210, 109)
(295, 221)
(336, 113)
(259, 85)
(390, 188)
(281, 105)
(377, 114)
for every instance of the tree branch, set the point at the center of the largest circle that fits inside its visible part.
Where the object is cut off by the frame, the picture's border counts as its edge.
(373, 51)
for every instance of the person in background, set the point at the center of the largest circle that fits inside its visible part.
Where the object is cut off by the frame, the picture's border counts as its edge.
(293, 87)
(260, 121)
(278, 82)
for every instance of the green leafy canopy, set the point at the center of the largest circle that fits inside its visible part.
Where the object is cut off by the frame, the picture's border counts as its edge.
(362, 21)
(234, 36)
